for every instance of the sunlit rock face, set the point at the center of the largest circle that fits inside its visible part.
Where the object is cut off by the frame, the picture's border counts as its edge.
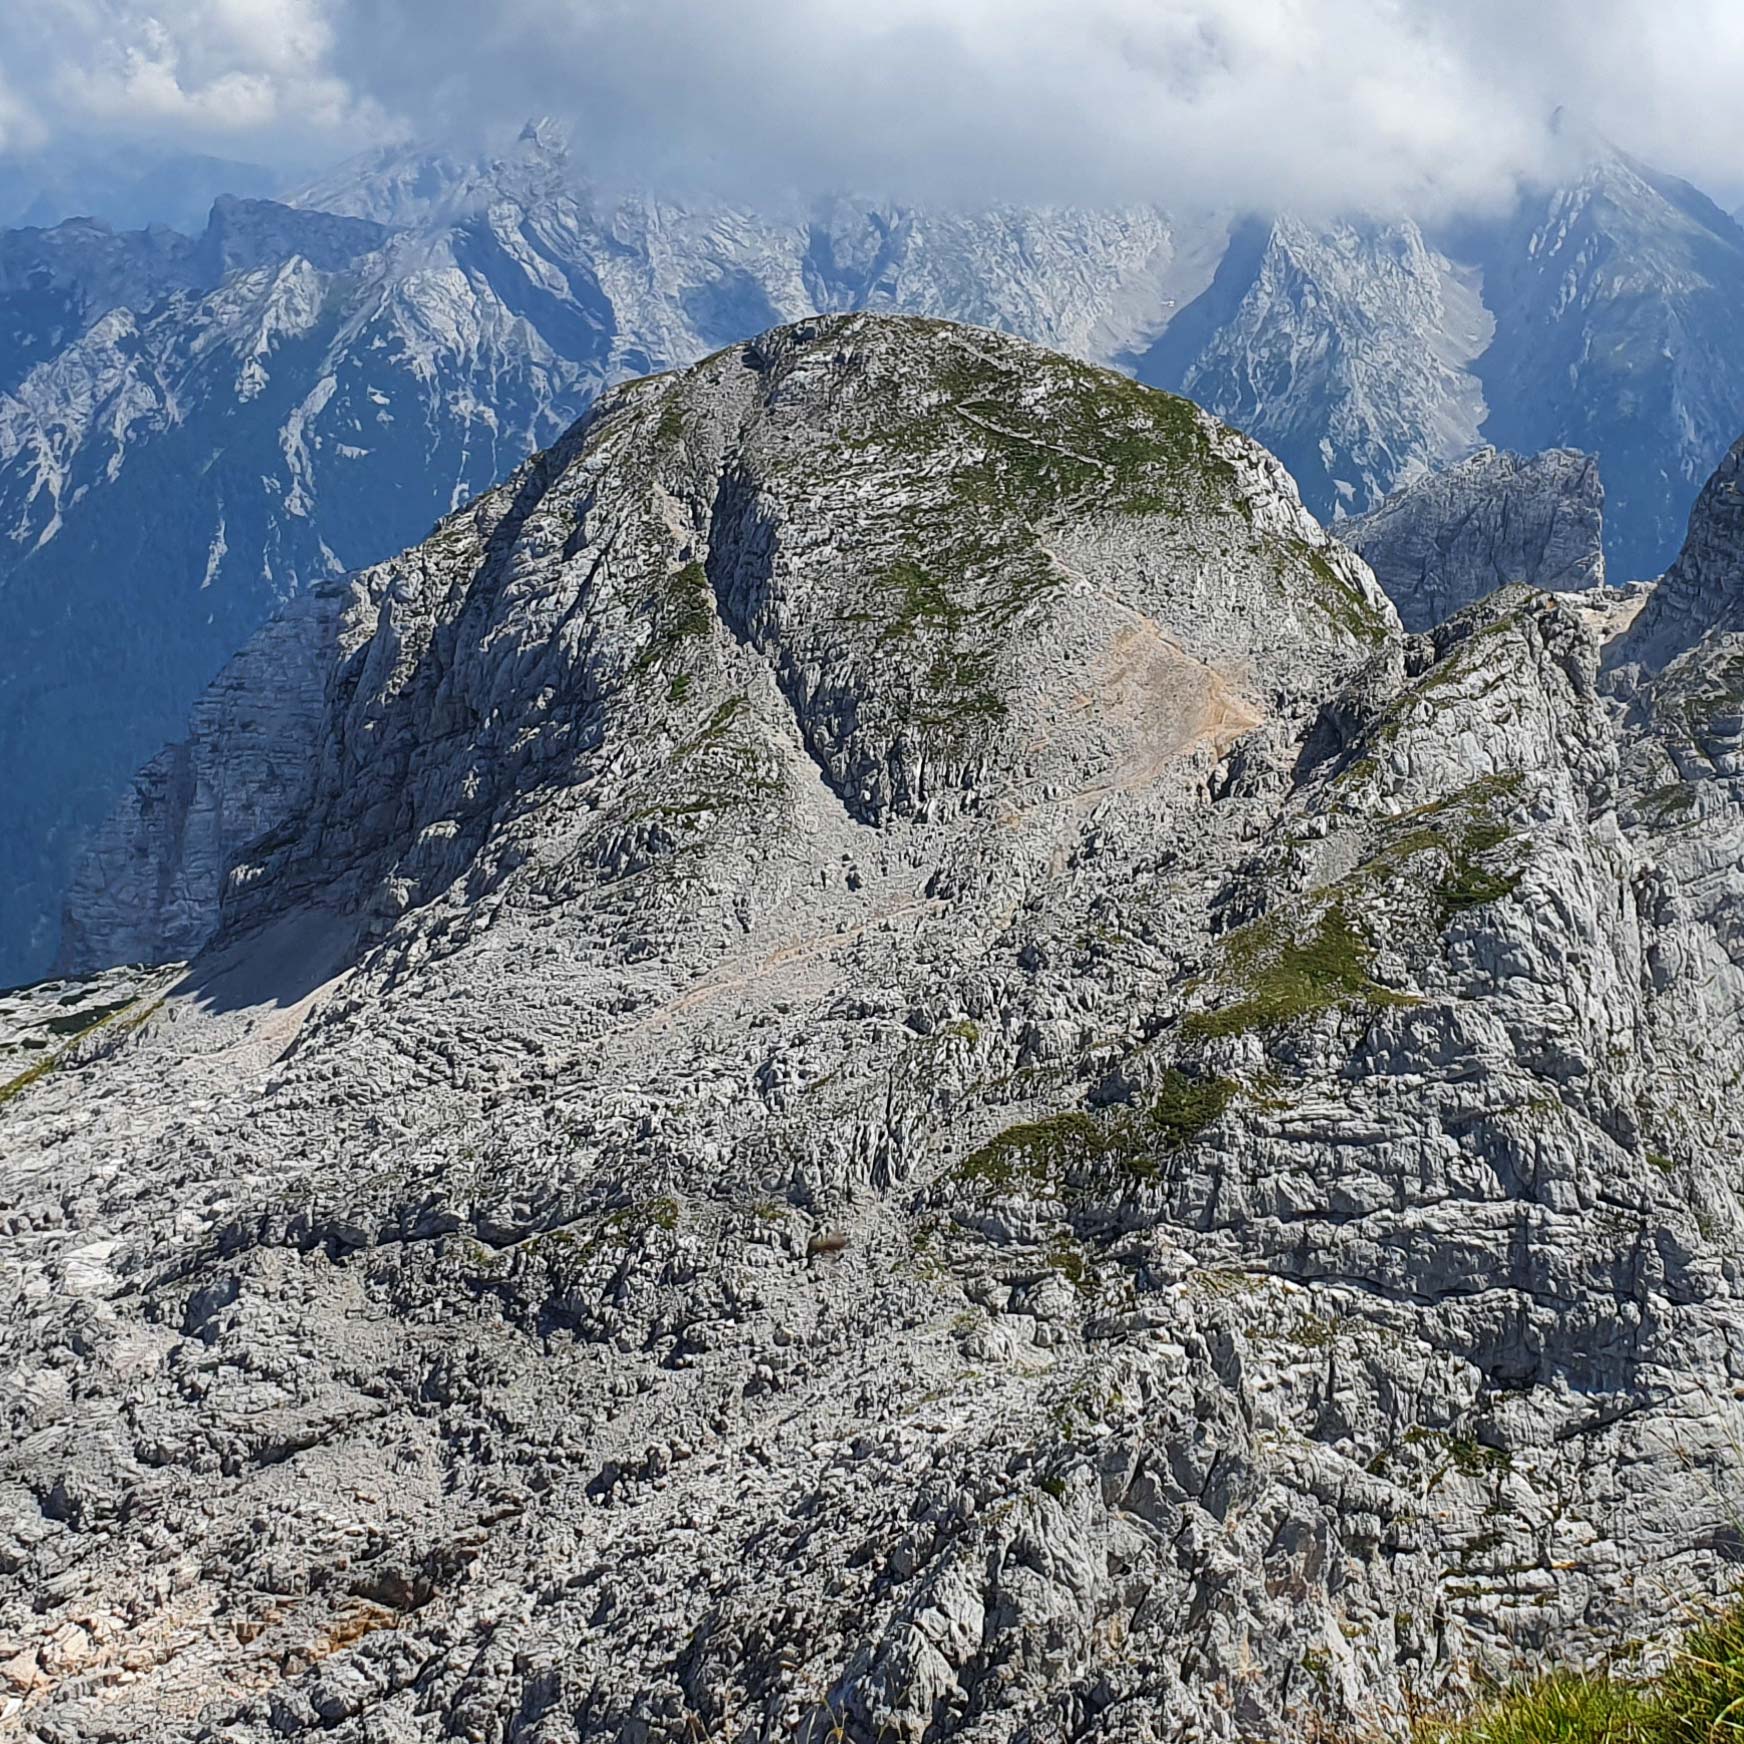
(895, 1068)
(193, 431)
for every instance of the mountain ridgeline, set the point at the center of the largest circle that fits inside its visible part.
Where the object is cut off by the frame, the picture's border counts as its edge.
(888, 1064)
(193, 431)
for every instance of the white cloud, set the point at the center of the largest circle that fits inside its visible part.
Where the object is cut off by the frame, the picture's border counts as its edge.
(204, 71)
(20, 130)
(1373, 103)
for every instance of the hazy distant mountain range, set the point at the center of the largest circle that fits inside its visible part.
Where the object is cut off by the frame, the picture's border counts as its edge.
(193, 429)
(129, 186)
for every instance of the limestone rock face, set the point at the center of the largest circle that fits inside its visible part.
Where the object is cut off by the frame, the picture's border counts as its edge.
(1703, 592)
(147, 891)
(1448, 538)
(194, 431)
(900, 1072)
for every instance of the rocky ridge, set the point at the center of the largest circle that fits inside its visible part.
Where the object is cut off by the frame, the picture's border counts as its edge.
(1446, 539)
(194, 431)
(191, 432)
(903, 1072)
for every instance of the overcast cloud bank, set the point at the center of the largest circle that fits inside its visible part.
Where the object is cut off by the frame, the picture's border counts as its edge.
(1378, 105)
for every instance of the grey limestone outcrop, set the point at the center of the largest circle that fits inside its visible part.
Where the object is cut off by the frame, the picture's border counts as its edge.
(900, 1072)
(1448, 538)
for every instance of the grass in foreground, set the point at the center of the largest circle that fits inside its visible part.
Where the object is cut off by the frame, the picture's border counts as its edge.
(1698, 1699)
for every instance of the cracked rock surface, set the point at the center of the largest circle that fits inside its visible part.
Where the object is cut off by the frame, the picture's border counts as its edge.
(900, 1072)
(1448, 538)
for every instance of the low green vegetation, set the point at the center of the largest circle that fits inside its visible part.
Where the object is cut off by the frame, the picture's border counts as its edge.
(681, 609)
(1698, 1699)
(608, 1231)
(1463, 828)
(1004, 447)
(26, 1078)
(724, 766)
(1055, 433)
(1279, 977)
(1036, 1153)
(670, 431)
(1470, 885)
(72, 1027)
(918, 599)
(1669, 804)
(76, 1023)
(689, 605)
(1712, 692)
(1183, 1108)
(1040, 1155)
(1343, 601)
(1561, 1710)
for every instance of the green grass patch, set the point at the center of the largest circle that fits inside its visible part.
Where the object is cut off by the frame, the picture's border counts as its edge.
(26, 1078)
(1281, 978)
(1670, 805)
(670, 430)
(1698, 1699)
(1184, 1107)
(74, 1027)
(1461, 829)
(1342, 600)
(689, 606)
(1049, 1154)
(1468, 885)
(1036, 1153)
(614, 1230)
(681, 609)
(918, 599)
(1560, 1710)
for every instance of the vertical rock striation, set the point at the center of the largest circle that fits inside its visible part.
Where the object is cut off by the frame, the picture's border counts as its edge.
(1448, 538)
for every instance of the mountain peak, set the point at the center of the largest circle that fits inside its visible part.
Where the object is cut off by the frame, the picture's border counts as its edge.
(887, 548)
(546, 132)
(884, 976)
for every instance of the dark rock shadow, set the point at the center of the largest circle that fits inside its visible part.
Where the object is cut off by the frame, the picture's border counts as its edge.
(275, 964)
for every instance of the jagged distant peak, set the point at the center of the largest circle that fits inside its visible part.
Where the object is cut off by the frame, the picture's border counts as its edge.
(401, 184)
(547, 132)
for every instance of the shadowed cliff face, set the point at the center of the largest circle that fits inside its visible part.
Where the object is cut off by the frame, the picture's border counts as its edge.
(1702, 595)
(899, 1071)
(1446, 539)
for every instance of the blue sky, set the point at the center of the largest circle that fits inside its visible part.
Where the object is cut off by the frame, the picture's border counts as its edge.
(1418, 104)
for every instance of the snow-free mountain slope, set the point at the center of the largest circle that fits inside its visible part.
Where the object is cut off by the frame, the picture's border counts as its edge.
(1348, 351)
(1616, 298)
(904, 1073)
(174, 474)
(172, 470)
(1448, 538)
